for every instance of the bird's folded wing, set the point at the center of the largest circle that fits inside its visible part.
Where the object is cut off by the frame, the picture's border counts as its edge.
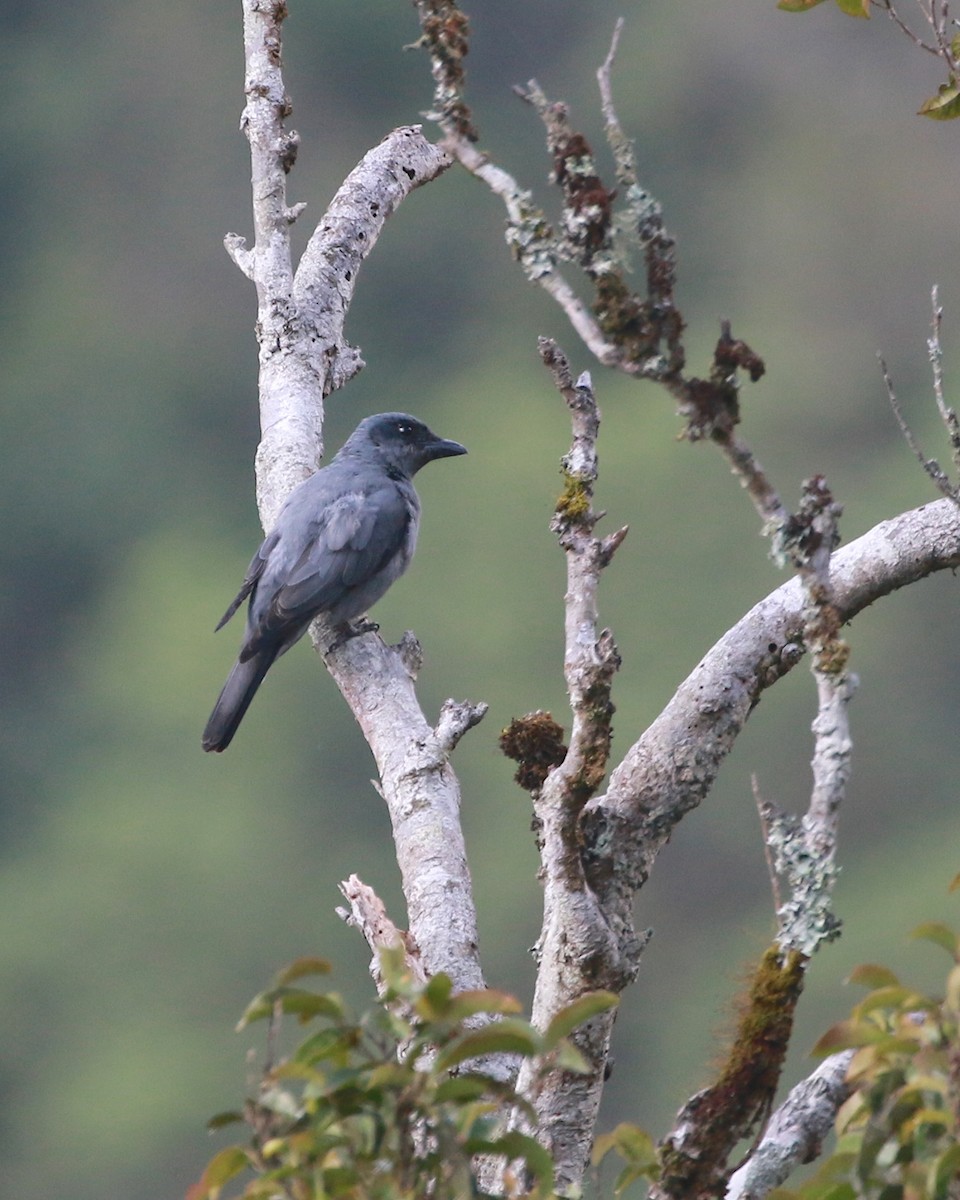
(353, 541)
(254, 571)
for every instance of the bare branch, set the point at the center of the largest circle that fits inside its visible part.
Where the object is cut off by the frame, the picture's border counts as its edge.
(422, 794)
(672, 766)
(947, 414)
(303, 356)
(887, 7)
(368, 913)
(576, 952)
(805, 851)
(457, 717)
(765, 814)
(620, 144)
(796, 1130)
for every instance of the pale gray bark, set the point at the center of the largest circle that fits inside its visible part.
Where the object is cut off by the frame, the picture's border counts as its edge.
(670, 769)
(303, 357)
(596, 853)
(576, 951)
(795, 1132)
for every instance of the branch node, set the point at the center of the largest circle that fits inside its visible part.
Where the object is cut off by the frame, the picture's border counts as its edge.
(236, 246)
(456, 718)
(611, 544)
(368, 913)
(410, 653)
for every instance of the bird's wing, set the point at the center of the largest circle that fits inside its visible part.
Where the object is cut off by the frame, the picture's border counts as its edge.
(351, 541)
(254, 571)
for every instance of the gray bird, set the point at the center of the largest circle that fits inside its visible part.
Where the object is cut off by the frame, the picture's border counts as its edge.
(343, 536)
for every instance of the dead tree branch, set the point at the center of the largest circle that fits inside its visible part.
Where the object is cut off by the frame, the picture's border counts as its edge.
(670, 769)
(303, 357)
(947, 415)
(576, 952)
(795, 1132)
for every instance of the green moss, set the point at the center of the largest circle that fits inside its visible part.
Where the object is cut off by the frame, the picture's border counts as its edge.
(729, 1110)
(573, 503)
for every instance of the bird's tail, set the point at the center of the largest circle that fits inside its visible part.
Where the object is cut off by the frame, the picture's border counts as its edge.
(234, 700)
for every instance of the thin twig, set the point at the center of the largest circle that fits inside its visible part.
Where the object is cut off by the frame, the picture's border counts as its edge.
(887, 7)
(763, 811)
(948, 415)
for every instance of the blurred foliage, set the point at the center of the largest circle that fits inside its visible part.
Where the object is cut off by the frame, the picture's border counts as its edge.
(394, 1104)
(945, 105)
(143, 888)
(897, 1130)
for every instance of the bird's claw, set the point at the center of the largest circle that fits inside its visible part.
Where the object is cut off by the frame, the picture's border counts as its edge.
(348, 631)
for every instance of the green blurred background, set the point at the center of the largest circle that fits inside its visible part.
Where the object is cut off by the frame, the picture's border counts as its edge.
(147, 890)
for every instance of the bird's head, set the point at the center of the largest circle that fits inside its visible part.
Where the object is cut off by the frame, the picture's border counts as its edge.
(400, 442)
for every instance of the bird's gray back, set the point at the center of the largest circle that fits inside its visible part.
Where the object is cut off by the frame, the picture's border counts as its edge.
(343, 537)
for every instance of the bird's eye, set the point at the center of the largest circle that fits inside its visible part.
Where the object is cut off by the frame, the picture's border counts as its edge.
(403, 427)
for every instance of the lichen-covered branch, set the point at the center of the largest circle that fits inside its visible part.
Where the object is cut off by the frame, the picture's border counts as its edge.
(795, 1132)
(948, 415)
(670, 769)
(576, 952)
(303, 357)
(804, 851)
(639, 334)
(694, 1155)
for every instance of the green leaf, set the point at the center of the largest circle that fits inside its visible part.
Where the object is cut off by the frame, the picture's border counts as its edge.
(462, 1088)
(841, 1191)
(434, 1000)
(569, 1058)
(938, 933)
(292, 1000)
(633, 1144)
(943, 1170)
(309, 964)
(798, 5)
(223, 1167)
(854, 8)
(483, 1000)
(519, 1145)
(872, 975)
(944, 106)
(499, 1037)
(573, 1016)
(394, 968)
(843, 1036)
(389, 1075)
(224, 1118)
(895, 999)
(325, 1044)
(952, 998)
(337, 1181)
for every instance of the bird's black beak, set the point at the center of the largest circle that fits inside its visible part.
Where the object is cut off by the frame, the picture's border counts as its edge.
(443, 448)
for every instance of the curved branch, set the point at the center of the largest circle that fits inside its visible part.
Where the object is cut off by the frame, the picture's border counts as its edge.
(673, 765)
(303, 357)
(796, 1130)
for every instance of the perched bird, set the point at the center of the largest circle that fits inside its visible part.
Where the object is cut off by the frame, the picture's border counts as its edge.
(343, 536)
